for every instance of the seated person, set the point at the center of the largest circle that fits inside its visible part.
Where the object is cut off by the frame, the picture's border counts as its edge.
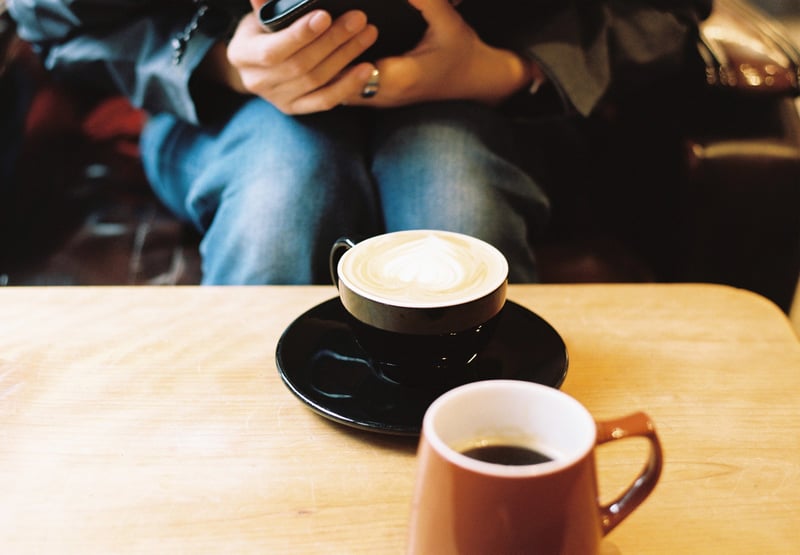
(274, 144)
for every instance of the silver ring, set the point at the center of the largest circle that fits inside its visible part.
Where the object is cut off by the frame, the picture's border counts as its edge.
(373, 84)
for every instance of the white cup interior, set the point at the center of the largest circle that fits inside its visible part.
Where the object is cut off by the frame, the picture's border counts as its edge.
(521, 412)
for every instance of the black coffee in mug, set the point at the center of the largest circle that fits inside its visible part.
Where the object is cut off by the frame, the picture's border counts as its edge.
(508, 454)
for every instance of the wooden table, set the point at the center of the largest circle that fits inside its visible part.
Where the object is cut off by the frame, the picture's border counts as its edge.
(153, 420)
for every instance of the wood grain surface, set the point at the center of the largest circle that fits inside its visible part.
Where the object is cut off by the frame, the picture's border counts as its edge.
(153, 420)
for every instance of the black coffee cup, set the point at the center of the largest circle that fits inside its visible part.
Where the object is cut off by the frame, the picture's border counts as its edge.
(421, 302)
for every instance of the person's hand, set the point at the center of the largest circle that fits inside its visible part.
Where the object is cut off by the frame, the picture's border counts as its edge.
(304, 68)
(450, 62)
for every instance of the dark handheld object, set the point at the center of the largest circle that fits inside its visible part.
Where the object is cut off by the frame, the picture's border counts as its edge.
(400, 25)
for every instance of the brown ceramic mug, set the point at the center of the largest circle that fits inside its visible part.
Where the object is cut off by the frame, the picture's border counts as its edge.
(539, 492)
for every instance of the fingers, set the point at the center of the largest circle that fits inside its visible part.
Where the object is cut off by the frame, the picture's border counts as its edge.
(310, 55)
(327, 85)
(396, 85)
(347, 86)
(251, 45)
(434, 9)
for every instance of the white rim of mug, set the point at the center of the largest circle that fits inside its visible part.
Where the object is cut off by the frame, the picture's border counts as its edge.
(502, 470)
(482, 293)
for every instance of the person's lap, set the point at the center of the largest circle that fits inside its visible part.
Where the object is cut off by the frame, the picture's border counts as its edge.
(447, 166)
(271, 193)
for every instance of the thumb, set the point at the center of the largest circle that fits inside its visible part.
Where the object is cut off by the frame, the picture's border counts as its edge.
(433, 10)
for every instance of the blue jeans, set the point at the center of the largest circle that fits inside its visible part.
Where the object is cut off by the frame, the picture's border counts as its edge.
(270, 193)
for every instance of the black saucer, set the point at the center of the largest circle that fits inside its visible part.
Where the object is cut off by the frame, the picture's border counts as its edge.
(321, 362)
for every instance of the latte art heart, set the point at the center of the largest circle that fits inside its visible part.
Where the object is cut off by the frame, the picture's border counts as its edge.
(425, 268)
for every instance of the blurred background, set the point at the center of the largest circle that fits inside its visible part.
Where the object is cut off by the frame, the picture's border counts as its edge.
(788, 12)
(76, 208)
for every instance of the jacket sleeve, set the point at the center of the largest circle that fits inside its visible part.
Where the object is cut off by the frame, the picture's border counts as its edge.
(589, 48)
(125, 46)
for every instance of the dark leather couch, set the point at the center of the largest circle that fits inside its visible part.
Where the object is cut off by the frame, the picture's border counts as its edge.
(698, 181)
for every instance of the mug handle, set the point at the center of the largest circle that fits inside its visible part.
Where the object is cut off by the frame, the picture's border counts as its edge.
(340, 246)
(634, 425)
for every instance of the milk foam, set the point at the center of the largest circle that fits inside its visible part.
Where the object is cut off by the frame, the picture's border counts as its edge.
(423, 268)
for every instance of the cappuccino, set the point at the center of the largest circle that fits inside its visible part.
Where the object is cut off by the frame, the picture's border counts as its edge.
(423, 269)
